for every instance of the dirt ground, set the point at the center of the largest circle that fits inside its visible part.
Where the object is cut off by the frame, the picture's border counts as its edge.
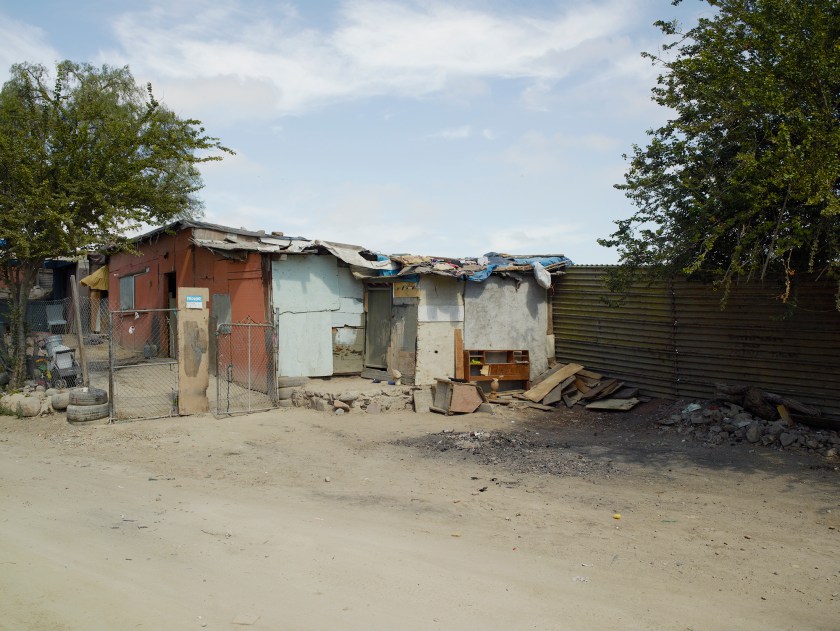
(300, 520)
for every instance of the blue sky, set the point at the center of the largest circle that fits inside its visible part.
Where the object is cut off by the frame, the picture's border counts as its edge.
(447, 128)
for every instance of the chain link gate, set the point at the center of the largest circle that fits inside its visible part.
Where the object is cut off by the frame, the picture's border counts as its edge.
(245, 373)
(143, 357)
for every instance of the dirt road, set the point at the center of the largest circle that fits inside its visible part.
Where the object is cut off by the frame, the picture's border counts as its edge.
(302, 520)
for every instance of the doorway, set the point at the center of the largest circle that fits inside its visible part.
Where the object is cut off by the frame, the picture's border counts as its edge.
(378, 327)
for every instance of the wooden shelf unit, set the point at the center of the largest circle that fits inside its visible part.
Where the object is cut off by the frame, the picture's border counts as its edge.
(486, 365)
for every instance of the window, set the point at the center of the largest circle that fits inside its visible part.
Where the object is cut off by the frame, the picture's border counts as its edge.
(127, 290)
(127, 293)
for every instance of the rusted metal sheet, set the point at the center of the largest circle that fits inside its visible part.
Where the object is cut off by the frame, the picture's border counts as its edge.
(634, 342)
(377, 328)
(672, 338)
(402, 350)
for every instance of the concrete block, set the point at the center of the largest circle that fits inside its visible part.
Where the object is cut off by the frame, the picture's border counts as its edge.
(422, 400)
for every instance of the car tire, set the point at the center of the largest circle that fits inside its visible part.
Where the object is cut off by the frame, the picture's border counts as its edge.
(86, 413)
(88, 396)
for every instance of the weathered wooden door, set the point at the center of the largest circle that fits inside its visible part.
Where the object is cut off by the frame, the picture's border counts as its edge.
(403, 346)
(378, 327)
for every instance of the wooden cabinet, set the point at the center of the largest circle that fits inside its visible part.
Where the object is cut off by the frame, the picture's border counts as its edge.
(484, 365)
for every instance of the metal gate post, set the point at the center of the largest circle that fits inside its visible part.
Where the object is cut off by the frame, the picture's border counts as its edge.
(111, 367)
(218, 374)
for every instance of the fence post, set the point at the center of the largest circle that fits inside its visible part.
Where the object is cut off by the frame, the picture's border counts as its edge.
(111, 366)
(194, 350)
(77, 319)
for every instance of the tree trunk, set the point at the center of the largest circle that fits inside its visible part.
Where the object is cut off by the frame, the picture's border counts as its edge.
(23, 280)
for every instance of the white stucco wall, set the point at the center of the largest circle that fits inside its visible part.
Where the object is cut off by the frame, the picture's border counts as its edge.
(498, 316)
(440, 311)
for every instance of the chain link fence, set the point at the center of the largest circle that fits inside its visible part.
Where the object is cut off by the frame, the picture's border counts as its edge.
(143, 353)
(245, 374)
(53, 347)
(133, 355)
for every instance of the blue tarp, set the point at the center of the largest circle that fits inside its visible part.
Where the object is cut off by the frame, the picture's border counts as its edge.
(494, 261)
(483, 274)
(545, 262)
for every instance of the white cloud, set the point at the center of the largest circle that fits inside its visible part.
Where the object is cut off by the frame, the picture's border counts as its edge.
(23, 42)
(375, 48)
(540, 153)
(454, 133)
(542, 239)
(386, 217)
(463, 132)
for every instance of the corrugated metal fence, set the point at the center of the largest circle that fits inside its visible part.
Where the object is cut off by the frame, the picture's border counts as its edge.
(671, 338)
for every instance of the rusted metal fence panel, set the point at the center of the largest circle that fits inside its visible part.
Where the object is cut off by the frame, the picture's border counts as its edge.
(143, 354)
(672, 338)
(634, 342)
(245, 372)
(758, 340)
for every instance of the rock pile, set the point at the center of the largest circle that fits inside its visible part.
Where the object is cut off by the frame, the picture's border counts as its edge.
(33, 401)
(718, 424)
(393, 398)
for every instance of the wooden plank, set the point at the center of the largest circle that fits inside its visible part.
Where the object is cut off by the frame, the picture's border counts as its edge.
(557, 393)
(625, 393)
(621, 405)
(547, 374)
(608, 391)
(590, 375)
(539, 406)
(784, 414)
(604, 387)
(538, 392)
(582, 386)
(571, 399)
(465, 398)
(459, 355)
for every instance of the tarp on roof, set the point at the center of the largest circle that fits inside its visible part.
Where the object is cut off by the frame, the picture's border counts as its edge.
(350, 254)
(98, 280)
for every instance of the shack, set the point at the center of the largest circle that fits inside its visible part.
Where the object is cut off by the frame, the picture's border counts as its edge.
(305, 288)
(474, 319)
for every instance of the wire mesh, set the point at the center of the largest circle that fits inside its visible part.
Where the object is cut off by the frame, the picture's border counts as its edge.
(54, 345)
(244, 373)
(144, 363)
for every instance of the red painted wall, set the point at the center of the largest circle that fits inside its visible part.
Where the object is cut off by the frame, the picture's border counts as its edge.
(248, 282)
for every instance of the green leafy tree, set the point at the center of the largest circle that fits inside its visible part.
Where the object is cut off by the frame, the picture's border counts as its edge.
(85, 156)
(743, 181)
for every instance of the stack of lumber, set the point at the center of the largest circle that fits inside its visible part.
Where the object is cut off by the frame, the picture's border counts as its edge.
(572, 384)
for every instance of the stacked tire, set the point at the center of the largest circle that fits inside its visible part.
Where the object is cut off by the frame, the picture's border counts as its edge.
(286, 386)
(87, 405)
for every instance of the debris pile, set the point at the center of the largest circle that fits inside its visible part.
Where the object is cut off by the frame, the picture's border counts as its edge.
(572, 384)
(395, 398)
(480, 268)
(763, 404)
(524, 451)
(33, 401)
(716, 424)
